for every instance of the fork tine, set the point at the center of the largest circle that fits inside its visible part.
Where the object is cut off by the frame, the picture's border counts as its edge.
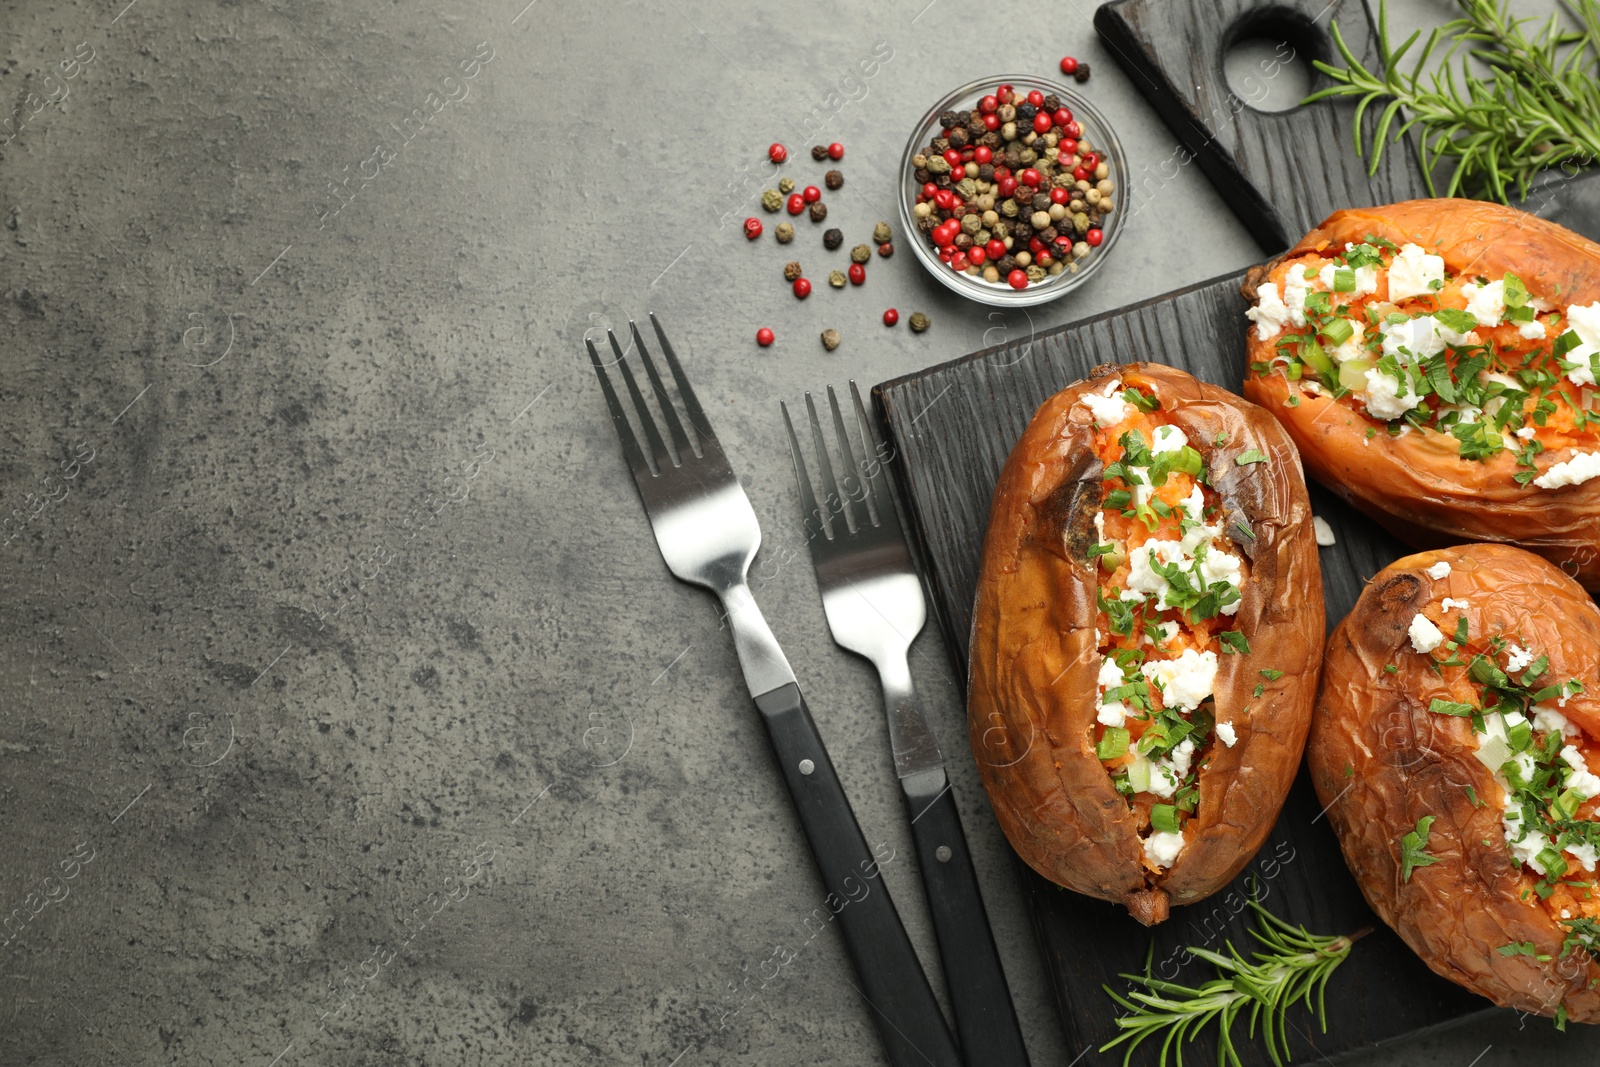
(619, 418)
(830, 485)
(658, 447)
(816, 522)
(853, 487)
(691, 403)
(882, 498)
(674, 427)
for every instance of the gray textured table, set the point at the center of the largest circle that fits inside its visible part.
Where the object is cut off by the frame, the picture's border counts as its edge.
(349, 714)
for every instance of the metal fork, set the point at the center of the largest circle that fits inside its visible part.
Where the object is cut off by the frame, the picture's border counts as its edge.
(873, 600)
(708, 534)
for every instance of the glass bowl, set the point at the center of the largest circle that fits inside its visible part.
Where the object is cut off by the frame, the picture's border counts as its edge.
(1103, 140)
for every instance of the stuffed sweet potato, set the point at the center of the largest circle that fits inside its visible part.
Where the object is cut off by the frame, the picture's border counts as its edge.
(1145, 638)
(1435, 361)
(1455, 746)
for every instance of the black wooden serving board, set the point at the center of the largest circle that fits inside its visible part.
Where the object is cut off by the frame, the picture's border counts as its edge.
(952, 427)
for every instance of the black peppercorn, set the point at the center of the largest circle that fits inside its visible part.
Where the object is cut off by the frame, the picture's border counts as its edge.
(1048, 234)
(1052, 102)
(923, 175)
(975, 131)
(791, 270)
(819, 152)
(1007, 264)
(1026, 112)
(819, 211)
(832, 239)
(986, 172)
(1041, 201)
(1021, 232)
(833, 179)
(958, 137)
(990, 139)
(1082, 73)
(947, 119)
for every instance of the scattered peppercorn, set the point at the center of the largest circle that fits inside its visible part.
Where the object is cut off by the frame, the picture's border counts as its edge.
(777, 153)
(833, 179)
(752, 228)
(784, 233)
(836, 279)
(882, 234)
(830, 339)
(858, 274)
(832, 239)
(771, 200)
(819, 152)
(785, 186)
(860, 254)
(764, 337)
(819, 211)
(811, 194)
(797, 204)
(1082, 73)
(792, 270)
(836, 151)
(802, 288)
(1069, 65)
(919, 322)
(891, 317)
(886, 250)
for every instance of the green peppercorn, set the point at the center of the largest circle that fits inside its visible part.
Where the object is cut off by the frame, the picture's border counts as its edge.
(833, 179)
(919, 322)
(882, 234)
(819, 211)
(771, 200)
(784, 233)
(860, 254)
(830, 339)
(836, 279)
(832, 239)
(792, 270)
(786, 186)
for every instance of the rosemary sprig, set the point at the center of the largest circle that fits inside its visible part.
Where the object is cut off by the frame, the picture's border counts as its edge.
(1295, 968)
(1537, 108)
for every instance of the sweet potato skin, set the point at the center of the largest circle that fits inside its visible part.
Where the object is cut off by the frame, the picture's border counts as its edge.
(1034, 659)
(1416, 485)
(1380, 761)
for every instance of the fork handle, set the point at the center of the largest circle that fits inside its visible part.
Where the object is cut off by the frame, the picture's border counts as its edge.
(903, 1007)
(986, 1020)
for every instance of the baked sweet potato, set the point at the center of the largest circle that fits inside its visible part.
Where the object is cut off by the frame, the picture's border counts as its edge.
(1146, 637)
(1454, 745)
(1435, 361)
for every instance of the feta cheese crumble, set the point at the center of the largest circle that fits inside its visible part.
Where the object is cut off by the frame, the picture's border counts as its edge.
(1323, 532)
(1450, 604)
(1585, 322)
(1486, 303)
(1269, 314)
(1226, 733)
(1387, 396)
(1575, 471)
(1439, 570)
(1107, 406)
(1517, 657)
(1425, 636)
(1112, 712)
(1185, 682)
(1168, 438)
(1413, 272)
(1161, 848)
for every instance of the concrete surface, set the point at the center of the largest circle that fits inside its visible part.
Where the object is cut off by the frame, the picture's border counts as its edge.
(349, 715)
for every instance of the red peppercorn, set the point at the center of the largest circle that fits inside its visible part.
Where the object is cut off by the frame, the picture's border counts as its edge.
(1080, 173)
(1004, 93)
(953, 157)
(858, 273)
(959, 262)
(983, 154)
(1044, 259)
(777, 153)
(836, 151)
(1062, 116)
(1002, 171)
(752, 228)
(886, 249)
(802, 287)
(1063, 247)
(797, 204)
(929, 191)
(1068, 146)
(946, 253)
(891, 317)
(996, 248)
(1017, 279)
(1069, 65)
(764, 337)
(991, 121)
(1036, 98)
(1035, 245)
(943, 198)
(1094, 237)
(1029, 176)
(988, 103)
(977, 255)
(1090, 161)
(1041, 122)
(811, 194)
(1072, 130)
(1008, 186)
(1059, 196)
(941, 236)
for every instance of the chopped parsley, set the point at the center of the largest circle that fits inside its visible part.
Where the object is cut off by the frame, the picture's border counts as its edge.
(1412, 846)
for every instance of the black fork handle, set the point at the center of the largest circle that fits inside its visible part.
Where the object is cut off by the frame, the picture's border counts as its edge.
(893, 984)
(986, 1019)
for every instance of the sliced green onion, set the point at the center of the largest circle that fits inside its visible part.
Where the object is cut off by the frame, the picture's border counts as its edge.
(1164, 817)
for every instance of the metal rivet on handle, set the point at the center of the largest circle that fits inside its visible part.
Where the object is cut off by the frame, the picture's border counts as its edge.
(806, 766)
(943, 853)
